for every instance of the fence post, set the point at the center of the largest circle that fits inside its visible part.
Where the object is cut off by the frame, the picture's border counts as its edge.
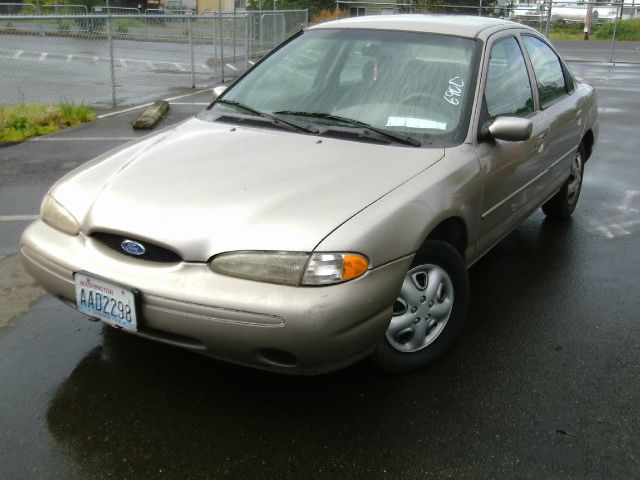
(260, 33)
(548, 24)
(247, 45)
(111, 67)
(193, 72)
(235, 3)
(221, 45)
(480, 9)
(214, 49)
(306, 17)
(39, 12)
(613, 38)
(259, 49)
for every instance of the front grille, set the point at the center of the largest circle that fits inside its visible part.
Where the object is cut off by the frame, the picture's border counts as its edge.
(153, 253)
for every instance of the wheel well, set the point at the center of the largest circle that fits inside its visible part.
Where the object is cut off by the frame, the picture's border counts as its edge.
(587, 142)
(453, 231)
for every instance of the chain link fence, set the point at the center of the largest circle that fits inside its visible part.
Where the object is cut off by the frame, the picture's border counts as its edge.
(110, 56)
(109, 60)
(613, 31)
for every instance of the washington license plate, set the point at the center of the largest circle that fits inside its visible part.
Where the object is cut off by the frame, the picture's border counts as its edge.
(107, 301)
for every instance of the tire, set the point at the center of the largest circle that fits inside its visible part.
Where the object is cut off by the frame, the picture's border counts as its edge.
(563, 203)
(429, 312)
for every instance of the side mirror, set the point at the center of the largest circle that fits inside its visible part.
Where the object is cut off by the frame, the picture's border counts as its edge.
(511, 129)
(217, 91)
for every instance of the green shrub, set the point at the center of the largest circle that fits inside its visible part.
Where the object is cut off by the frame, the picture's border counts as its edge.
(121, 25)
(24, 120)
(626, 30)
(64, 25)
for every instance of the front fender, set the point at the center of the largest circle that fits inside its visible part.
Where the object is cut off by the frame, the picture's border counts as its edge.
(397, 224)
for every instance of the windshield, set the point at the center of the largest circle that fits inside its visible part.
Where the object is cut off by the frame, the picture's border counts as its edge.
(411, 84)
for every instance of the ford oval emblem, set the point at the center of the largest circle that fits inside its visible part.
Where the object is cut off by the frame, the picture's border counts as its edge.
(133, 248)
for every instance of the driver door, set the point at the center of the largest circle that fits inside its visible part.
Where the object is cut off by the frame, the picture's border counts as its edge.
(511, 170)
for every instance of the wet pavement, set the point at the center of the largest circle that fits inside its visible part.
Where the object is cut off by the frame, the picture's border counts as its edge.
(599, 51)
(543, 382)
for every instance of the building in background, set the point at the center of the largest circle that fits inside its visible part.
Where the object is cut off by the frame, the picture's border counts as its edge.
(205, 6)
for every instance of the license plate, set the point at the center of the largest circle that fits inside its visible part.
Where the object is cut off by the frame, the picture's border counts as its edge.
(107, 301)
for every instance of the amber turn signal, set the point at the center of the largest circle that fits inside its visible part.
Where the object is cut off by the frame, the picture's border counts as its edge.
(353, 266)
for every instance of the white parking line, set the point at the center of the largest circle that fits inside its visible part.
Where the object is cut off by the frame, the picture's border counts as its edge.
(205, 66)
(123, 62)
(130, 109)
(69, 58)
(17, 218)
(43, 55)
(251, 62)
(231, 67)
(180, 67)
(18, 54)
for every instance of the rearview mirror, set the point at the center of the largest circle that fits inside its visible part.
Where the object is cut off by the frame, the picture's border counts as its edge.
(217, 91)
(511, 129)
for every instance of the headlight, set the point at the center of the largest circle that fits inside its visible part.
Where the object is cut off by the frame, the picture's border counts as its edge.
(291, 268)
(285, 268)
(58, 217)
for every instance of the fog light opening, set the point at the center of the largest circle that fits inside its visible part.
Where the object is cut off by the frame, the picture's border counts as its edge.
(278, 357)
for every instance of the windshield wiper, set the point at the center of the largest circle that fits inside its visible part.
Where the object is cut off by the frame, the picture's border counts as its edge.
(404, 139)
(273, 120)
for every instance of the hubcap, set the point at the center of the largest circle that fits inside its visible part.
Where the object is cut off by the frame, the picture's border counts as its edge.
(575, 179)
(422, 310)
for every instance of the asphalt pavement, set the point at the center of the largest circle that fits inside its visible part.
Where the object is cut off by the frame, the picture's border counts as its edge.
(78, 69)
(599, 51)
(543, 382)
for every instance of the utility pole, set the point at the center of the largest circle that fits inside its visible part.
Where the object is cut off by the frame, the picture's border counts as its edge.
(587, 20)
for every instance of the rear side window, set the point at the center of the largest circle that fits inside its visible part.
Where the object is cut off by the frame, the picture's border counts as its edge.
(507, 91)
(548, 71)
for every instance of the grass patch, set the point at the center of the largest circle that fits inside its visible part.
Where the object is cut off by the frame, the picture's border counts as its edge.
(627, 30)
(567, 32)
(23, 120)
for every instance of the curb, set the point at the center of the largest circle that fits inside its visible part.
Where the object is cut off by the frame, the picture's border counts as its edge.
(8, 144)
(151, 116)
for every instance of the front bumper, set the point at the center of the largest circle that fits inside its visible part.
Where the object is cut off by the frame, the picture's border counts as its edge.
(303, 330)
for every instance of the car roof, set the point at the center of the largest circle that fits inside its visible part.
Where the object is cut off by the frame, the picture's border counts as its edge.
(460, 25)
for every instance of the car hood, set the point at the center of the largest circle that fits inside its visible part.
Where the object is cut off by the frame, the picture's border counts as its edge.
(203, 188)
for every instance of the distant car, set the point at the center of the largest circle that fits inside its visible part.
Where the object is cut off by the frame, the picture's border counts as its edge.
(325, 208)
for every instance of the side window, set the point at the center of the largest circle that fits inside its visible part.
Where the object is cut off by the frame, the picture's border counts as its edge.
(548, 71)
(507, 91)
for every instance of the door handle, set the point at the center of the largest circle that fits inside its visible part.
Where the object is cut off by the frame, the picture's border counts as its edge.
(540, 139)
